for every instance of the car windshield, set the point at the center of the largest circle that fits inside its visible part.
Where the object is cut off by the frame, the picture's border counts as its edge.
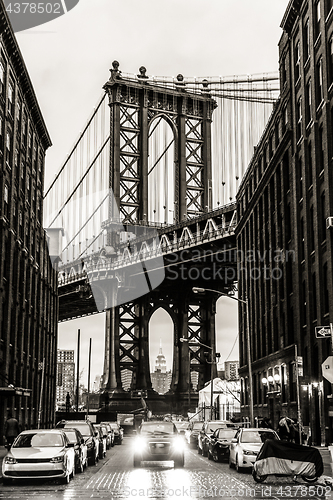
(160, 428)
(197, 425)
(226, 433)
(39, 440)
(257, 436)
(71, 436)
(82, 427)
(212, 426)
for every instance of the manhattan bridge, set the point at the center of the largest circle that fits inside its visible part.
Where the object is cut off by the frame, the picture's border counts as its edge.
(146, 203)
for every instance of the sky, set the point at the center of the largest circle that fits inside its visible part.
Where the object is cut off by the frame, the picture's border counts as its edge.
(68, 60)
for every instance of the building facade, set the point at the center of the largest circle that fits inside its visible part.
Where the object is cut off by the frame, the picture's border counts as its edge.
(231, 370)
(28, 282)
(65, 377)
(284, 241)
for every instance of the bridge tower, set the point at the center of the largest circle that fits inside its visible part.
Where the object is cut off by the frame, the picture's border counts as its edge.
(137, 106)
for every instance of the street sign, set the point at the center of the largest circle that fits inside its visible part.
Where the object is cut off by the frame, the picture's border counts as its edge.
(322, 332)
(327, 369)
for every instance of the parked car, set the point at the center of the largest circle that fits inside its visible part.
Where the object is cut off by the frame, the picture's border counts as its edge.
(218, 444)
(110, 433)
(182, 426)
(102, 440)
(191, 434)
(80, 448)
(207, 430)
(44, 454)
(118, 432)
(245, 446)
(158, 441)
(90, 436)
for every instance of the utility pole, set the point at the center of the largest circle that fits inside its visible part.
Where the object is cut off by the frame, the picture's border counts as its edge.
(78, 370)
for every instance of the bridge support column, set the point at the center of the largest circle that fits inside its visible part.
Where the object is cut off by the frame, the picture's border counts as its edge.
(143, 373)
(112, 380)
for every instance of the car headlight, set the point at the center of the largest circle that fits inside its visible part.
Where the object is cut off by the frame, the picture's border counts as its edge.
(178, 443)
(10, 460)
(89, 443)
(57, 460)
(249, 452)
(139, 443)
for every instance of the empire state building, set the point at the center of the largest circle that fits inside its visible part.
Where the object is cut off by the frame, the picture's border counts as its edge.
(161, 378)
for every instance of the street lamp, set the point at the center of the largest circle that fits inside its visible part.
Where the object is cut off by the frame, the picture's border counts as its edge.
(248, 342)
(212, 362)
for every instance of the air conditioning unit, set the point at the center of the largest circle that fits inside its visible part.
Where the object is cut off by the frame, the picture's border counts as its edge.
(329, 222)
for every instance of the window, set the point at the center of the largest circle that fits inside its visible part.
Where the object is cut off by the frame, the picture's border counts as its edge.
(310, 174)
(18, 115)
(9, 140)
(6, 199)
(302, 242)
(317, 19)
(10, 101)
(299, 119)
(308, 114)
(320, 92)
(306, 39)
(276, 133)
(1, 134)
(329, 5)
(297, 61)
(326, 292)
(300, 176)
(2, 79)
(321, 149)
(284, 119)
(283, 72)
(323, 216)
(330, 60)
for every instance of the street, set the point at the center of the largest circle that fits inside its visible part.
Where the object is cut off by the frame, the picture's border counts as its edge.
(115, 477)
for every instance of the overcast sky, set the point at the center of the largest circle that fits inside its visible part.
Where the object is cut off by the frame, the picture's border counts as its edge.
(69, 59)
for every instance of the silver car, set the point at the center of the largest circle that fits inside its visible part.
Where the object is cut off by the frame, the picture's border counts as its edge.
(245, 446)
(40, 453)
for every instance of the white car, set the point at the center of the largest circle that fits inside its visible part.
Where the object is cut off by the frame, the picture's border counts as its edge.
(40, 453)
(245, 446)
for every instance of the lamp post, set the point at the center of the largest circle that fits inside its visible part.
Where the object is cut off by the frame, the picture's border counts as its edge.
(248, 342)
(212, 362)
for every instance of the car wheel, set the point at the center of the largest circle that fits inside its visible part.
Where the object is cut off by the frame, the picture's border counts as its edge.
(136, 461)
(6, 481)
(179, 462)
(257, 478)
(92, 460)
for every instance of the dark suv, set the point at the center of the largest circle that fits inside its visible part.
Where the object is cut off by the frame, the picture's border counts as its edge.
(206, 432)
(89, 434)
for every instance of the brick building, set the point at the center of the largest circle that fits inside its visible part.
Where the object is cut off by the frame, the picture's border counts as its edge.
(28, 282)
(285, 198)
